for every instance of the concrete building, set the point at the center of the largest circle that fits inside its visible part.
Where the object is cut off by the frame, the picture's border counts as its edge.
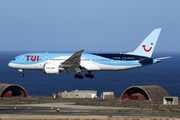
(170, 100)
(108, 95)
(78, 94)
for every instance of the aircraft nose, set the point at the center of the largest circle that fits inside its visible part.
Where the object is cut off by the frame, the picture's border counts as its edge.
(10, 64)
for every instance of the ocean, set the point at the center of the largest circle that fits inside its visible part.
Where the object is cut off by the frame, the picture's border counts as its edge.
(165, 74)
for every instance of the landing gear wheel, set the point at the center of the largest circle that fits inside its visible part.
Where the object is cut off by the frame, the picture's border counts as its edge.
(22, 74)
(79, 76)
(89, 75)
(76, 76)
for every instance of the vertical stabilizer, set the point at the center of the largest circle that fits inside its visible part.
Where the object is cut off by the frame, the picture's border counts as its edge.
(146, 48)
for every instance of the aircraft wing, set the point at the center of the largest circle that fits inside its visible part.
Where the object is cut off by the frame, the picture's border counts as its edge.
(72, 64)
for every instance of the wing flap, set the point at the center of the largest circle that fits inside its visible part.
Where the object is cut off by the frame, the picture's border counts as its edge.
(73, 69)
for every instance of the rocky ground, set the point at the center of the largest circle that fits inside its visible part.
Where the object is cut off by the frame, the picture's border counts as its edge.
(143, 106)
(151, 106)
(59, 117)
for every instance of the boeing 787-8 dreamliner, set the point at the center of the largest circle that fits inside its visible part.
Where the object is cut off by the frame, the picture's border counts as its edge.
(78, 62)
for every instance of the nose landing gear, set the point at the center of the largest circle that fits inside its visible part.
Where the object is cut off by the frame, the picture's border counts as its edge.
(22, 72)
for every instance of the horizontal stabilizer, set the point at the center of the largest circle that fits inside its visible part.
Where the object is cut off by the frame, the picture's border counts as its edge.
(162, 58)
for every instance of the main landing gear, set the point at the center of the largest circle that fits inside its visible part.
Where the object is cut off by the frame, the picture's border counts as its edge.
(79, 76)
(88, 75)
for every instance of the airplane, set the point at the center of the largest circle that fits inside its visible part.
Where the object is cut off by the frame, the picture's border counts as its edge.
(78, 62)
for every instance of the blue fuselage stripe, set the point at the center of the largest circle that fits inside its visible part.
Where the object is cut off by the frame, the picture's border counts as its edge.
(106, 59)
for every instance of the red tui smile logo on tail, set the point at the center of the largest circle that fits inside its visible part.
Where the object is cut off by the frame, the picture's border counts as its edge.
(147, 50)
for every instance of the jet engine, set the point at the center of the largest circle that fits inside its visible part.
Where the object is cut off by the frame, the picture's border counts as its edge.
(52, 69)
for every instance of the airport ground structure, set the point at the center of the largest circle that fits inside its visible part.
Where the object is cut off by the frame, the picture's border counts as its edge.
(12, 90)
(146, 92)
(135, 102)
(78, 94)
(43, 107)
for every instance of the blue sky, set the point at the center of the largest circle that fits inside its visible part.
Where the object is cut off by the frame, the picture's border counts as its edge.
(93, 25)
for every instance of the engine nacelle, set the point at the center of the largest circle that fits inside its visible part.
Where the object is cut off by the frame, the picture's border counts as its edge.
(52, 69)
